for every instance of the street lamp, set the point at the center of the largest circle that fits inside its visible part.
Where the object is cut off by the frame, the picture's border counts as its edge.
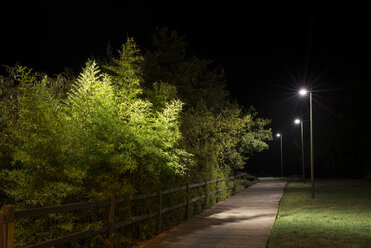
(280, 136)
(304, 92)
(298, 121)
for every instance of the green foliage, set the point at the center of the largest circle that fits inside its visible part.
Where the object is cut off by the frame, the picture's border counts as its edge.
(158, 127)
(41, 173)
(254, 140)
(146, 123)
(214, 129)
(160, 94)
(45, 175)
(90, 144)
(8, 96)
(194, 78)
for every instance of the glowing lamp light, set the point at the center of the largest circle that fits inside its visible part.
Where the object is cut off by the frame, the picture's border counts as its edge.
(278, 135)
(303, 92)
(297, 121)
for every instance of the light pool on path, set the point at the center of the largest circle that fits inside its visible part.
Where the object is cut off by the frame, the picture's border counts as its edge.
(243, 220)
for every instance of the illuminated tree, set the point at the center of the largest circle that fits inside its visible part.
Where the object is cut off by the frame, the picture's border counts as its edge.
(214, 129)
(102, 137)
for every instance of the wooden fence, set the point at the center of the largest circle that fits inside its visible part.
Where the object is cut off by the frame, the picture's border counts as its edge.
(9, 215)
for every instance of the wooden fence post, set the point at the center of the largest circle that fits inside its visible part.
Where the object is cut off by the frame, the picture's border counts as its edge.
(8, 226)
(159, 211)
(244, 181)
(111, 220)
(2, 230)
(205, 189)
(234, 185)
(217, 190)
(187, 206)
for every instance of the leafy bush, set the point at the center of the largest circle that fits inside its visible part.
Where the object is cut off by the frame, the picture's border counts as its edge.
(147, 123)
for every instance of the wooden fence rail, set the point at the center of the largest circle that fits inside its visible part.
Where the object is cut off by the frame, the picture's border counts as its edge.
(9, 215)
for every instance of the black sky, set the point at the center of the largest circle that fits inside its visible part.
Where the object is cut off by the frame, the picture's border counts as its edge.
(268, 49)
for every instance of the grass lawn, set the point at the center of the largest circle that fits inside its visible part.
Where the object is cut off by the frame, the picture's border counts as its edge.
(339, 216)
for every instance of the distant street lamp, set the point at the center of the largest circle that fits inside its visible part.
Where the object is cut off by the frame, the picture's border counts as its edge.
(298, 121)
(303, 92)
(280, 136)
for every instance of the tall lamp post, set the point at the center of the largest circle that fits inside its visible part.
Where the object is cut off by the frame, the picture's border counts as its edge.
(280, 136)
(298, 121)
(304, 92)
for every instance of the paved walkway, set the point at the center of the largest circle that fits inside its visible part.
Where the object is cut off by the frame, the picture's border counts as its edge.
(244, 220)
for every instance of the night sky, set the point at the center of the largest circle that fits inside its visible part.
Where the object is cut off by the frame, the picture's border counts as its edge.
(268, 49)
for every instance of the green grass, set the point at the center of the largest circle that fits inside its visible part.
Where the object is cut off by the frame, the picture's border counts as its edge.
(339, 216)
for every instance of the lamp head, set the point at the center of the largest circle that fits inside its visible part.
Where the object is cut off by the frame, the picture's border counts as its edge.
(278, 135)
(303, 92)
(297, 121)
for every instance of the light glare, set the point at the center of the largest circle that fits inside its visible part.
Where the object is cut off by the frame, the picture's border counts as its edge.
(303, 92)
(297, 121)
(278, 135)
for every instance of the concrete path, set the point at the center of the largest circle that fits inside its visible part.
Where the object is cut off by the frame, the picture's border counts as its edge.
(244, 220)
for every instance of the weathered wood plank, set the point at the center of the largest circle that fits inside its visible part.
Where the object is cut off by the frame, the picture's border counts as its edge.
(27, 213)
(9, 217)
(69, 238)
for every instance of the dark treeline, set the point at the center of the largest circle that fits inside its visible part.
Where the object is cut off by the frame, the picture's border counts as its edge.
(131, 122)
(343, 129)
